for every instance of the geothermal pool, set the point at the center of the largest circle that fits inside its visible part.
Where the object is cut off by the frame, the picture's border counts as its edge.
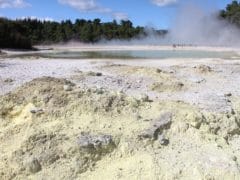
(133, 54)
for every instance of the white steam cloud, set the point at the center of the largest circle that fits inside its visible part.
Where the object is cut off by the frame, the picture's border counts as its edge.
(195, 26)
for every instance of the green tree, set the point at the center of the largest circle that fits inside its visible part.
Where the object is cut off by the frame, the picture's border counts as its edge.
(232, 13)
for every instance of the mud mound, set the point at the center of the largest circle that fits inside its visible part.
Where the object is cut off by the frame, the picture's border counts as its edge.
(154, 73)
(159, 80)
(50, 125)
(54, 95)
(203, 69)
(31, 111)
(167, 86)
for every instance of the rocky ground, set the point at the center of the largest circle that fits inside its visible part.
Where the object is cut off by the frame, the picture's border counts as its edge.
(148, 119)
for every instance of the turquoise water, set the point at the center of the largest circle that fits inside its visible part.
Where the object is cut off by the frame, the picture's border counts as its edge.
(136, 54)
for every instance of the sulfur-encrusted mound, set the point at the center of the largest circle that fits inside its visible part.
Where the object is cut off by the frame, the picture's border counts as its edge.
(50, 125)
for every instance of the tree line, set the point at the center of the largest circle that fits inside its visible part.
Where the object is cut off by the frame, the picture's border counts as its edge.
(13, 35)
(27, 32)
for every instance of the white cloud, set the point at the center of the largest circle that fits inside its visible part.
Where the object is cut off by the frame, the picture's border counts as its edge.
(119, 16)
(93, 6)
(13, 4)
(163, 2)
(85, 5)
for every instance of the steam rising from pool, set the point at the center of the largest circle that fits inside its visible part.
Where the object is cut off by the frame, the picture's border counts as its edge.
(193, 25)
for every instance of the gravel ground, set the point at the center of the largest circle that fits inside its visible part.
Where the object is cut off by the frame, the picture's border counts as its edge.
(204, 89)
(175, 114)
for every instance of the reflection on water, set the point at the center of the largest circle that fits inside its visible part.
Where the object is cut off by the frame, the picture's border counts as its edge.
(134, 54)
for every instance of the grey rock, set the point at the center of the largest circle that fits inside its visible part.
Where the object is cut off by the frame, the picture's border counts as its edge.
(96, 143)
(67, 88)
(94, 74)
(145, 98)
(158, 70)
(49, 158)
(162, 140)
(81, 165)
(200, 81)
(233, 112)
(234, 158)
(138, 117)
(34, 166)
(36, 110)
(195, 79)
(8, 80)
(98, 74)
(159, 125)
(99, 91)
(203, 68)
(228, 94)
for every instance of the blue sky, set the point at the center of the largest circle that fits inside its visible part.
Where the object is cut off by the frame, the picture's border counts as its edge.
(158, 13)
